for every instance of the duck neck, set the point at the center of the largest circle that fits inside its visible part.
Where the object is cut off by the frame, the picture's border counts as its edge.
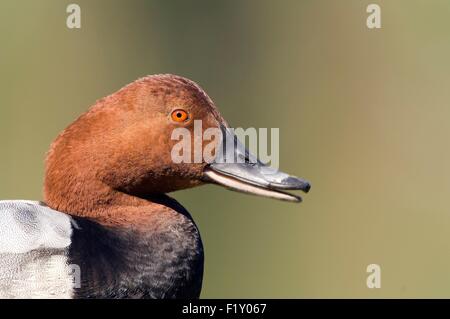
(105, 205)
(146, 251)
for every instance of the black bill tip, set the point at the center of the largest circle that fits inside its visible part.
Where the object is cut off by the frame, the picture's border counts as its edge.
(292, 183)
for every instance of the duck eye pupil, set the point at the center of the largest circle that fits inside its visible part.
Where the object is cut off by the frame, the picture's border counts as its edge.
(179, 115)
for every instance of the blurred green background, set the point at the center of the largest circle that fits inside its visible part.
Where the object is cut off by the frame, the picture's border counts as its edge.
(363, 114)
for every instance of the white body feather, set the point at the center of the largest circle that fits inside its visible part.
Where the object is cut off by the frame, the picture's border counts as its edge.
(34, 240)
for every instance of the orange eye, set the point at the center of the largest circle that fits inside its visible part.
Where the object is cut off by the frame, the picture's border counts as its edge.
(180, 115)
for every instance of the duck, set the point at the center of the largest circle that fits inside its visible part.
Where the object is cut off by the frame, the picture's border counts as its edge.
(106, 227)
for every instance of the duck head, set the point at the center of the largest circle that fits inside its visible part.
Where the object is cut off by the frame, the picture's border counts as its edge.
(123, 146)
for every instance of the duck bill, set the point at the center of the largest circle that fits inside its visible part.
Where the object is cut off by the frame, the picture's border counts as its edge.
(235, 168)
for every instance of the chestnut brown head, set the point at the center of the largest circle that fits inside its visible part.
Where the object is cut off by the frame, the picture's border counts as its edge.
(125, 142)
